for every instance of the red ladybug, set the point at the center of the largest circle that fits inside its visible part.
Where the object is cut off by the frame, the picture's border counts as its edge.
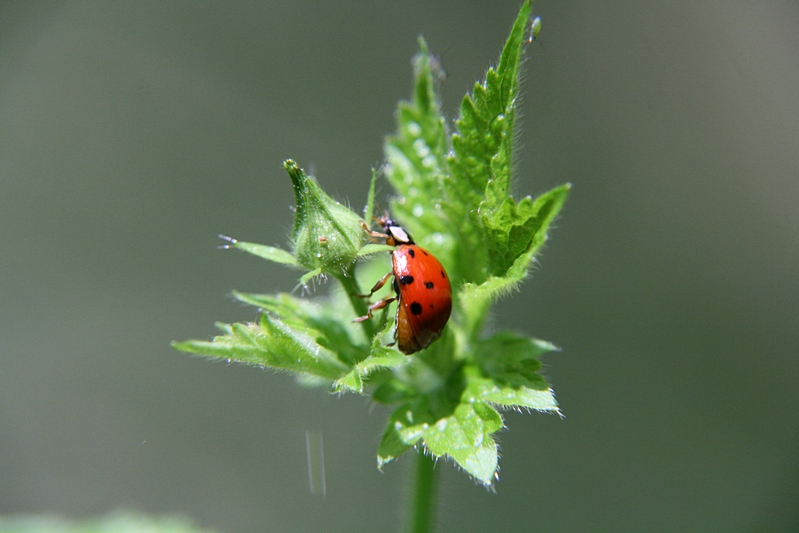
(422, 287)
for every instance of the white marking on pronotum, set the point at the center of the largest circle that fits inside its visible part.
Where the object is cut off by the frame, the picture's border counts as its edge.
(399, 234)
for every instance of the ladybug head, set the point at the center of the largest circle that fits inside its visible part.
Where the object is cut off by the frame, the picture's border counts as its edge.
(396, 234)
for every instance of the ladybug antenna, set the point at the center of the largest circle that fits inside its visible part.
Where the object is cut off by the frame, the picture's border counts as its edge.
(379, 219)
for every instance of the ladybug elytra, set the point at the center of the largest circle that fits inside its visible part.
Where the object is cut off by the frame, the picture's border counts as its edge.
(422, 287)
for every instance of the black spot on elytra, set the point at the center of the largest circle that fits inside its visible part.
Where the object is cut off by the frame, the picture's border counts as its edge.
(443, 275)
(429, 284)
(416, 308)
(425, 253)
(406, 280)
(411, 252)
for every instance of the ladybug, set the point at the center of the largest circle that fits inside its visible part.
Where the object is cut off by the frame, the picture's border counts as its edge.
(422, 289)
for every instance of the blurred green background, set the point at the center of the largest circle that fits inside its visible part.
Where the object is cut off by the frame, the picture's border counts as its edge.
(131, 134)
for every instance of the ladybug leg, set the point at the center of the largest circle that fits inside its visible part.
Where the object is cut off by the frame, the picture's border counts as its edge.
(371, 233)
(379, 285)
(380, 304)
(396, 336)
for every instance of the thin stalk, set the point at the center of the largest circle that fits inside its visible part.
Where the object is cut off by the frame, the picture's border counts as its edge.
(352, 289)
(422, 506)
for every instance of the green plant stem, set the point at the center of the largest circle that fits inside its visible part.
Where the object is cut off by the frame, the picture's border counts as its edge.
(350, 285)
(423, 496)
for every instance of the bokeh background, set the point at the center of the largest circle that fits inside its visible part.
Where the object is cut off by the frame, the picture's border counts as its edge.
(132, 133)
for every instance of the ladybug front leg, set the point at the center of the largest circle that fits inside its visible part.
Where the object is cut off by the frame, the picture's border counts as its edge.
(380, 304)
(371, 233)
(379, 285)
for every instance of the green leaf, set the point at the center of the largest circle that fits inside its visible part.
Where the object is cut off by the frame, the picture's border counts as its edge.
(271, 343)
(323, 321)
(482, 157)
(464, 435)
(416, 160)
(381, 357)
(512, 360)
(475, 300)
(371, 249)
(504, 373)
(543, 211)
(391, 390)
(505, 370)
(397, 439)
(515, 232)
(270, 253)
(488, 390)
(370, 198)
(483, 143)
(384, 358)
(326, 234)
